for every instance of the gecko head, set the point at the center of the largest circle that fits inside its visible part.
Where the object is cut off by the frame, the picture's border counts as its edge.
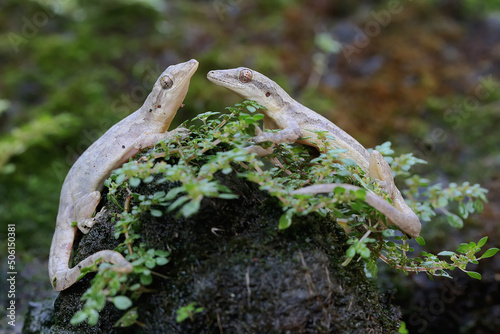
(251, 85)
(169, 91)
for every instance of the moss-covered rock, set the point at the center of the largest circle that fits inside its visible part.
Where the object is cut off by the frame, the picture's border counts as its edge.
(248, 276)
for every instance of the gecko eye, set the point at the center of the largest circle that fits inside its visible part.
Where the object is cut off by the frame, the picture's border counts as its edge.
(245, 76)
(166, 82)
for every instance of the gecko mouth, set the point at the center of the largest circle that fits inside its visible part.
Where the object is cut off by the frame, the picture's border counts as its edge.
(211, 76)
(194, 66)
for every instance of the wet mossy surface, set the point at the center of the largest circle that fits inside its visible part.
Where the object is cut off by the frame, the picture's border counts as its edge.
(248, 276)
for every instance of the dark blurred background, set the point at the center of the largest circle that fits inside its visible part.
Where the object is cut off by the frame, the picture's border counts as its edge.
(422, 74)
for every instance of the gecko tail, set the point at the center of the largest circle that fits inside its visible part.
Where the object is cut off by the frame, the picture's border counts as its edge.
(407, 221)
(65, 278)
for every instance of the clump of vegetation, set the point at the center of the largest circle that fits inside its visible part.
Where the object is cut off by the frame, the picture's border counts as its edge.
(218, 146)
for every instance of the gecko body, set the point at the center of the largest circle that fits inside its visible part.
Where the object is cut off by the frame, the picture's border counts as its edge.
(80, 193)
(299, 123)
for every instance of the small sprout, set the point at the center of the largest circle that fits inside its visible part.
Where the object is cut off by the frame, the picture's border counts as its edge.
(187, 312)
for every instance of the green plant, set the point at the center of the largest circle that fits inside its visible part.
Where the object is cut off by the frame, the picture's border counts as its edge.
(187, 311)
(218, 146)
(403, 329)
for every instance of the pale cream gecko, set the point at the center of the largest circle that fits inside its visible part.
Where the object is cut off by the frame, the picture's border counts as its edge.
(297, 121)
(80, 193)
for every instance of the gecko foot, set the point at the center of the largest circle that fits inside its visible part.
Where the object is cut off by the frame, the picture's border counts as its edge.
(259, 150)
(181, 132)
(85, 225)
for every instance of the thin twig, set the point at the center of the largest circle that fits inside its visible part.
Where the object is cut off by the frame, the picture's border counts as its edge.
(126, 207)
(406, 268)
(158, 274)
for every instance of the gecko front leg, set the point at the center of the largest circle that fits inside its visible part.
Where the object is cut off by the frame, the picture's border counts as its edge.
(150, 139)
(85, 208)
(290, 134)
(257, 149)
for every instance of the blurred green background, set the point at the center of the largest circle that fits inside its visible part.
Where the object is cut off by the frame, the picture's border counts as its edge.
(423, 74)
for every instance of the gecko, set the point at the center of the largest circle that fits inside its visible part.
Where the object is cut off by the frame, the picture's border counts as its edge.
(81, 190)
(296, 120)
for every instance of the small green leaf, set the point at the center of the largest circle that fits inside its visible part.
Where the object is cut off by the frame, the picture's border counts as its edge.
(161, 261)
(178, 202)
(351, 251)
(473, 274)
(285, 220)
(446, 253)
(371, 267)
(79, 317)
(478, 206)
(161, 252)
(482, 242)
(122, 302)
(420, 241)
(442, 202)
(190, 208)
(454, 220)
(146, 279)
(251, 109)
(158, 194)
(339, 191)
(182, 315)
(349, 162)
(228, 196)
(489, 253)
(150, 263)
(360, 194)
(463, 248)
(156, 213)
(149, 179)
(128, 319)
(138, 262)
(134, 182)
(462, 210)
(357, 206)
(93, 317)
(344, 172)
(120, 179)
(173, 193)
(403, 329)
